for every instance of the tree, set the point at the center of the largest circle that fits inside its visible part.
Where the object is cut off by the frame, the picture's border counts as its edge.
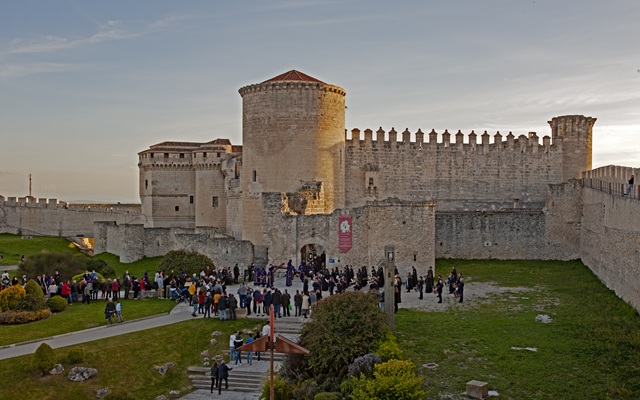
(182, 260)
(344, 327)
(44, 359)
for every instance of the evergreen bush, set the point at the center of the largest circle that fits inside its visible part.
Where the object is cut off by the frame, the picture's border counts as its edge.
(306, 390)
(281, 390)
(57, 304)
(10, 297)
(389, 349)
(15, 317)
(344, 326)
(328, 396)
(395, 379)
(363, 365)
(182, 260)
(47, 263)
(33, 288)
(31, 302)
(75, 355)
(44, 359)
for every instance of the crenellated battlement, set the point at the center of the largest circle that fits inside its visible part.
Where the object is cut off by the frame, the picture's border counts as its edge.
(32, 202)
(289, 85)
(432, 140)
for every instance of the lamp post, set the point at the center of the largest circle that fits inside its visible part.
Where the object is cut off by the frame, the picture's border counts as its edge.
(389, 287)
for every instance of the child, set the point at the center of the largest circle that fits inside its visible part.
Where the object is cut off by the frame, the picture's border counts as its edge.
(119, 311)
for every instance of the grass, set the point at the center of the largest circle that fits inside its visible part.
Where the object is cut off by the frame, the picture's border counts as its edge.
(78, 317)
(14, 246)
(137, 268)
(591, 350)
(125, 363)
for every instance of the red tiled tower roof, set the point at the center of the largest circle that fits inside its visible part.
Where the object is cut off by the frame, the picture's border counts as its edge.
(293, 75)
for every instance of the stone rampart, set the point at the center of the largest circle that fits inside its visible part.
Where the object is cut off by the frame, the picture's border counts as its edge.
(132, 242)
(50, 217)
(461, 176)
(610, 241)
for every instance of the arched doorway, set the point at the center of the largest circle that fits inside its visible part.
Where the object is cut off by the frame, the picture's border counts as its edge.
(310, 252)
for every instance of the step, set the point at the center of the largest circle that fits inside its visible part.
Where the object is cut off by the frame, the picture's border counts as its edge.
(231, 388)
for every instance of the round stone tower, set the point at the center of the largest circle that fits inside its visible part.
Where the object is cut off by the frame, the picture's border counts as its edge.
(293, 129)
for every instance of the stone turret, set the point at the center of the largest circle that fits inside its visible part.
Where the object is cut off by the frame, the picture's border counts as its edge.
(293, 134)
(575, 132)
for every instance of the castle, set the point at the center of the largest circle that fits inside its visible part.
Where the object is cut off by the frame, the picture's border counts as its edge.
(301, 184)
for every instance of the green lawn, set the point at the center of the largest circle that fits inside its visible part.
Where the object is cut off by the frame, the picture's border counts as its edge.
(590, 351)
(14, 246)
(78, 317)
(125, 363)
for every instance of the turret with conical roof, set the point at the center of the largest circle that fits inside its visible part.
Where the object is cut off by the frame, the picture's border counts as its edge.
(293, 134)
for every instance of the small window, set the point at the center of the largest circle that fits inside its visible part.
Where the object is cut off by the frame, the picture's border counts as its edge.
(177, 208)
(146, 184)
(204, 154)
(214, 201)
(218, 154)
(190, 199)
(181, 155)
(166, 155)
(370, 181)
(151, 155)
(255, 176)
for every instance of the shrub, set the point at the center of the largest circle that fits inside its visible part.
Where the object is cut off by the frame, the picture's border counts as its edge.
(75, 355)
(363, 365)
(96, 264)
(181, 260)
(14, 317)
(44, 359)
(389, 349)
(328, 396)
(33, 288)
(57, 304)
(108, 271)
(306, 390)
(281, 390)
(395, 379)
(10, 297)
(344, 327)
(31, 302)
(47, 263)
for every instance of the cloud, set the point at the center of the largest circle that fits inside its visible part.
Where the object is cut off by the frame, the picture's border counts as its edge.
(8, 71)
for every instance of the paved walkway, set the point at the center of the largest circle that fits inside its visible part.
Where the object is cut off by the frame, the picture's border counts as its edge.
(181, 312)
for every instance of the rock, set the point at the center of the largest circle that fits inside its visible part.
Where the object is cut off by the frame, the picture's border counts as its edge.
(493, 393)
(216, 333)
(205, 353)
(214, 342)
(174, 393)
(524, 348)
(162, 370)
(544, 318)
(161, 397)
(100, 393)
(247, 332)
(430, 365)
(219, 358)
(169, 365)
(57, 370)
(206, 363)
(80, 374)
(477, 389)
(205, 359)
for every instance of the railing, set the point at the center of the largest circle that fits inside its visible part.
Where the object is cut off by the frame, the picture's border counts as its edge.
(613, 188)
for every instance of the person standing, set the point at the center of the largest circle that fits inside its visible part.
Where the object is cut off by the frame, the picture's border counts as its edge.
(460, 287)
(109, 310)
(247, 301)
(439, 287)
(232, 346)
(237, 343)
(208, 300)
(305, 305)
(222, 307)
(420, 286)
(119, 311)
(277, 302)
(214, 376)
(297, 302)
(115, 289)
(233, 305)
(286, 303)
(223, 373)
(630, 186)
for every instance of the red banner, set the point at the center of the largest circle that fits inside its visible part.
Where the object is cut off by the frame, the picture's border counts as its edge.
(344, 233)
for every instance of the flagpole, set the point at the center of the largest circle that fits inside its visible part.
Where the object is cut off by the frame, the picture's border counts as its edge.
(272, 346)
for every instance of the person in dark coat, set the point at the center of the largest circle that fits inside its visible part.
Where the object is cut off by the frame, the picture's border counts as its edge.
(223, 373)
(439, 287)
(214, 376)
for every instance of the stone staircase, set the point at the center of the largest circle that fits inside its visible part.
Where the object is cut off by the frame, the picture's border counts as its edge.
(250, 378)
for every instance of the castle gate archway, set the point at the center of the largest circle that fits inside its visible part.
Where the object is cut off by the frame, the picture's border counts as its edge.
(311, 251)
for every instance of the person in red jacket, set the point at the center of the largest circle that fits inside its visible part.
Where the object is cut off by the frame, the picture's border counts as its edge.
(66, 291)
(115, 289)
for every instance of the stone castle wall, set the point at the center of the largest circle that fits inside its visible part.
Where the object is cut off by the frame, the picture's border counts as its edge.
(460, 176)
(407, 225)
(49, 217)
(133, 242)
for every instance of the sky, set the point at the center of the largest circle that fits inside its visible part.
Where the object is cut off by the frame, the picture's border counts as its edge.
(86, 85)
